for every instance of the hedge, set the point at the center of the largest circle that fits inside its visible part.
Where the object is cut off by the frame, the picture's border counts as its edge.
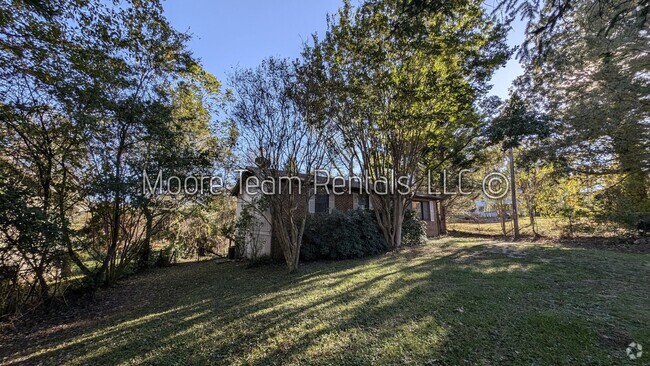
(352, 234)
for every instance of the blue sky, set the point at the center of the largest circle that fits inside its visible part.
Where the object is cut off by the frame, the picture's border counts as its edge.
(229, 33)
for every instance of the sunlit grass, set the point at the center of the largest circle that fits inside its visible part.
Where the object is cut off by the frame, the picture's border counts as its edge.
(455, 301)
(552, 227)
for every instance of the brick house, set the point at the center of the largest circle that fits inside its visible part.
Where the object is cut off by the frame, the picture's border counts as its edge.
(342, 195)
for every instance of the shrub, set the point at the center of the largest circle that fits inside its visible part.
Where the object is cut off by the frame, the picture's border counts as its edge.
(342, 235)
(353, 234)
(413, 229)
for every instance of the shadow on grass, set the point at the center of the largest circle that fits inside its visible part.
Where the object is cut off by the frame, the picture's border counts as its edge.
(447, 303)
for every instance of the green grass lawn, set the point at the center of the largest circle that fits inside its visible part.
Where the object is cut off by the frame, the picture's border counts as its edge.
(454, 301)
(552, 227)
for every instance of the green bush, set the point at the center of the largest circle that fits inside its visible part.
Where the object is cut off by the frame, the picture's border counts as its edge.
(413, 229)
(353, 234)
(342, 235)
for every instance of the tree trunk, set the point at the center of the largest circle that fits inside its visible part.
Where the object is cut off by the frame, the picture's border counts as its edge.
(398, 219)
(44, 289)
(65, 226)
(288, 242)
(145, 250)
(501, 207)
(513, 189)
(443, 219)
(531, 217)
(390, 216)
(106, 271)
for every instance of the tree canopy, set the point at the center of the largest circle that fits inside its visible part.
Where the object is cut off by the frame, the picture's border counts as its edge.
(391, 85)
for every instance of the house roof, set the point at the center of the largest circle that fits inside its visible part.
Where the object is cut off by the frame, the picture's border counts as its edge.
(354, 184)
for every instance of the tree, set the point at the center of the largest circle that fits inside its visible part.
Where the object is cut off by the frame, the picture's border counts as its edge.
(535, 180)
(91, 93)
(511, 128)
(276, 138)
(548, 19)
(28, 236)
(393, 85)
(587, 66)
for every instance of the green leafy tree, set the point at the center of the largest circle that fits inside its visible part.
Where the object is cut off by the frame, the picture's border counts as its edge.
(391, 85)
(30, 240)
(515, 124)
(92, 93)
(587, 66)
(535, 180)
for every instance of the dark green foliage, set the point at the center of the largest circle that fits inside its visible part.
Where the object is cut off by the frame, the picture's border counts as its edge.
(413, 229)
(91, 94)
(25, 232)
(625, 203)
(584, 63)
(353, 234)
(516, 123)
(166, 257)
(342, 235)
(244, 232)
(401, 81)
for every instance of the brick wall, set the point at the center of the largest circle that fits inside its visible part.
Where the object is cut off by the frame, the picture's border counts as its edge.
(344, 202)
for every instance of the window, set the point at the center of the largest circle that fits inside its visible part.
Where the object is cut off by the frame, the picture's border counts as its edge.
(416, 206)
(322, 201)
(363, 202)
(425, 208)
